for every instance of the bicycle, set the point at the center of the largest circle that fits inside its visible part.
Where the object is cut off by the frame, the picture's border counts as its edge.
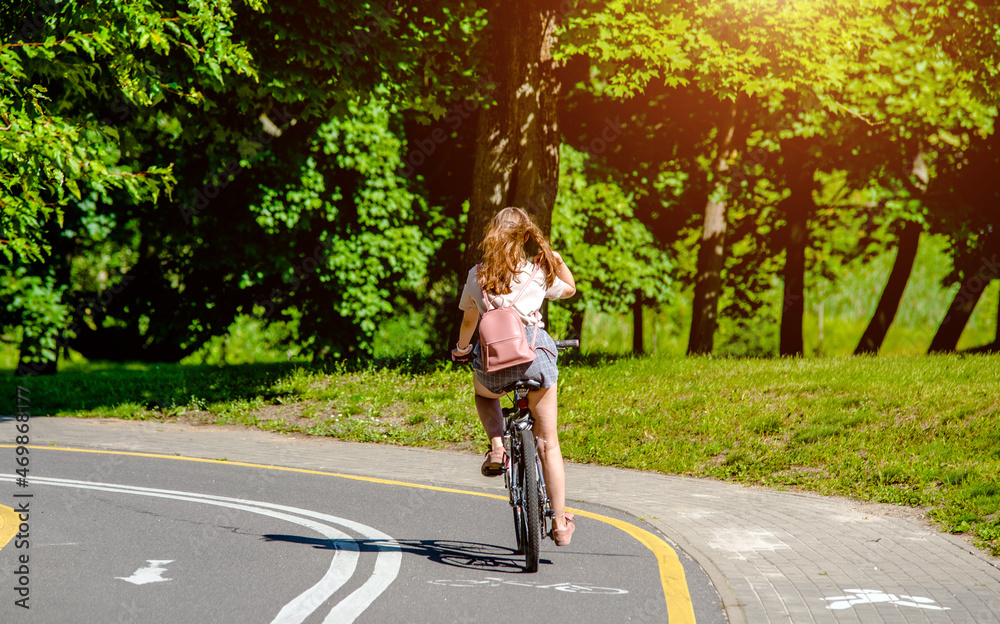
(523, 476)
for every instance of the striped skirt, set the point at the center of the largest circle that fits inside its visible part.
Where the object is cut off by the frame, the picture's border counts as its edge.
(542, 369)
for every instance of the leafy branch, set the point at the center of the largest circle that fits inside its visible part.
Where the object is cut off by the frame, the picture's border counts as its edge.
(861, 117)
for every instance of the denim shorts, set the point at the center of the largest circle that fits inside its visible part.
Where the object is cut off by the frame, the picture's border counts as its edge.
(542, 369)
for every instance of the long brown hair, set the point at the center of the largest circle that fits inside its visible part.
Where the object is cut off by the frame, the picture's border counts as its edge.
(503, 250)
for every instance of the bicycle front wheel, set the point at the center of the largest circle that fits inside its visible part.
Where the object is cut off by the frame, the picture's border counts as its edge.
(531, 509)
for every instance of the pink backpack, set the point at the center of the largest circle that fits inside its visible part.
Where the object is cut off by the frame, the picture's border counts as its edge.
(503, 341)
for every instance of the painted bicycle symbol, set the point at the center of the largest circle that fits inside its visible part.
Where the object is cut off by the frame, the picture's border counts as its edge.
(872, 596)
(490, 581)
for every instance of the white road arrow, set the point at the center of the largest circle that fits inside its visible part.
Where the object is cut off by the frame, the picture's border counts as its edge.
(149, 574)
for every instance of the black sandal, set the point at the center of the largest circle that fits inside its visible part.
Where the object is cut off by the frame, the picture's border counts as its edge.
(494, 467)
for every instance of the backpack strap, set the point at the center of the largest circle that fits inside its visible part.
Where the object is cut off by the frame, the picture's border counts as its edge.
(526, 284)
(486, 299)
(535, 333)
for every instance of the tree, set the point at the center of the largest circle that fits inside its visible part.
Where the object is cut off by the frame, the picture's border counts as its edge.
(34, 306)
(806, 70)
(87, 51)
(617, 264)
(972, 221)
(56, 153)
(799, 168)
(711, 247)
(517, 147)
(888, 303)
(909, 225)
(193, 265)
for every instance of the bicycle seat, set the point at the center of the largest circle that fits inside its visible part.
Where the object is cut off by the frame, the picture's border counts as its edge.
(530, 384)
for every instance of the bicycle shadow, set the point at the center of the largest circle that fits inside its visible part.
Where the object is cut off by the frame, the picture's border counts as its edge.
(465, 555)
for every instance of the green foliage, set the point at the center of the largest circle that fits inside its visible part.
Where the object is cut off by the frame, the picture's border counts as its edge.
(613, 255)
(293, 112)
(249, 340)
(66, 62)
(858, 87)
(407, 333)
(219, 90)
(373, 237)
(33, 304)
(877, 61)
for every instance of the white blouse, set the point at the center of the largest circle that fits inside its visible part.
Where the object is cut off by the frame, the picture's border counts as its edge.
(527, 304)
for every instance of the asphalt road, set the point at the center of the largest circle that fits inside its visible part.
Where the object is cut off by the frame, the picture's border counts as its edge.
(125, 538)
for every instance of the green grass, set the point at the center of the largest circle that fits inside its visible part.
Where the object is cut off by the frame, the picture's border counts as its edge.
(921, 431)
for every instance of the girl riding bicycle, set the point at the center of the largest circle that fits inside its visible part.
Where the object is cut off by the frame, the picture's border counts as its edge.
(506, 273)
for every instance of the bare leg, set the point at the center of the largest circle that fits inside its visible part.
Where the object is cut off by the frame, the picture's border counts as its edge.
(544, 405)
(488, 407)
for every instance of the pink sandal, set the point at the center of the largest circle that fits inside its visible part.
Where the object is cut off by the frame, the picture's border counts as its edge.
(563, 536)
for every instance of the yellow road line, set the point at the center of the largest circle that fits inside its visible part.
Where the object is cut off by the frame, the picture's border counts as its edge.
(9, 521)
(672, 577)
(680, 609)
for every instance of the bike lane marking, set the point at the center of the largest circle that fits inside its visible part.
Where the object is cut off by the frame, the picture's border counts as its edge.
(680, 608)
(492, 581)
(152, 572)
(387, 563)
(9, 521)
(875, 596)
(341, 569)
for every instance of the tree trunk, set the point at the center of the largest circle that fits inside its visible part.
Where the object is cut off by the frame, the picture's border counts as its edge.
(996, 341)
(711, 253)
(637, 335)
(794, 277)
(576, 324)
(797, 208)
(888, 305)
(30, 364)
(517, 151)
(951, 328)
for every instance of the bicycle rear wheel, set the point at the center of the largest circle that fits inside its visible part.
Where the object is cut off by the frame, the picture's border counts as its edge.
(516, 496)
(531, 510)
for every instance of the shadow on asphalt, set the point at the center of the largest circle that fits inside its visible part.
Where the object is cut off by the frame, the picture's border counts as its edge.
(467, 555)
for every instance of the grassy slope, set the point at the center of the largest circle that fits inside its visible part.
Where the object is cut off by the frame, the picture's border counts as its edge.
(907, 430)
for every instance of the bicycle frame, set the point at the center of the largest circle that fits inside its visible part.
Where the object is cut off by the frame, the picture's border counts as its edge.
(516, 419)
